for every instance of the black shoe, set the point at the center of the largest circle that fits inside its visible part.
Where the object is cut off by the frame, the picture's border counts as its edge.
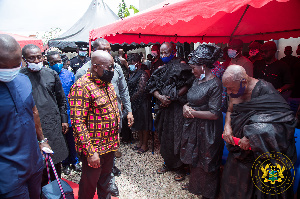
(114, 191)
(67, 170)
(116, 171)
(76, 167)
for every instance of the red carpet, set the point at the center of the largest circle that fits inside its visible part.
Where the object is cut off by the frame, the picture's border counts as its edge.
(75, 188)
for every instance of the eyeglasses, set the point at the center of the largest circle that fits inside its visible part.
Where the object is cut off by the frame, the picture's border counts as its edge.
(111, 67)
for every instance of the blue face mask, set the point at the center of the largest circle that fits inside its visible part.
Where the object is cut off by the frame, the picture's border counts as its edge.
(167, 59)
(57, 67)
(240, 92)
(132, 67)
(7, 75)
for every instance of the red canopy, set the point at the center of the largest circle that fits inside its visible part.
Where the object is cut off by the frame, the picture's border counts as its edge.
(207, 21)
(22, 40)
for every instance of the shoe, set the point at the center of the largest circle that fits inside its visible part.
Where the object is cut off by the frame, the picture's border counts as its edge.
(76, 167)
(116, 171)
(135, 148)
(179, 177)
(162, 170)
(66, 170)
(118, 154)
(113, 189)
(141, 151)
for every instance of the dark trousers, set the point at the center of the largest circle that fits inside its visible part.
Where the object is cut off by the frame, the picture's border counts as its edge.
(31, 189)
(72, 158)
(52, 176)
(92, 178)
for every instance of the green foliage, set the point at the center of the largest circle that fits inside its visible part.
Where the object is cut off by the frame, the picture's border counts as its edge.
(124, 11)
(48, 35)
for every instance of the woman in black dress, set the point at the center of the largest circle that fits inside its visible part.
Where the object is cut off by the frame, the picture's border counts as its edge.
(140, 101)
(202, 143)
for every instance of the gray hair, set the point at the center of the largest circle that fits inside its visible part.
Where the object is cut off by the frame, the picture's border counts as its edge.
(234, 73)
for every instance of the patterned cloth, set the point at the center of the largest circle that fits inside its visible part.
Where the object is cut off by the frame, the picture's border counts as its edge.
(94, 116)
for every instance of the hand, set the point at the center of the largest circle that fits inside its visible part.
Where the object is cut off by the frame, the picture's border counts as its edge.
(187, 111)
(44, 144)
(244, 143)
(65, 127)
(130, 119)
(227, 134)
(123, 61)
(165, 100)
(94, 161)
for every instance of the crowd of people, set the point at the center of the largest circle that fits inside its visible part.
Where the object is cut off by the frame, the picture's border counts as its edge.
(82, 108)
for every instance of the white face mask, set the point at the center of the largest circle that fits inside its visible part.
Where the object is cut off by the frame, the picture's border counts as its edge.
(34, 66)
(7, 75)
(82, 53)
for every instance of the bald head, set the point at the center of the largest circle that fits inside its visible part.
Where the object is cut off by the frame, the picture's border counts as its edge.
(100, 55)
(10, 52)
(234, 73)
(101, 44)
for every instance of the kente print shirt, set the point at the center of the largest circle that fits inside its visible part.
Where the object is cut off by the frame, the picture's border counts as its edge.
(94, 115)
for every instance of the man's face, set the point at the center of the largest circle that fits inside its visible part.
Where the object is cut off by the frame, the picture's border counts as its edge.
(66, 64)
(104, 47)
(121, 52)
(165, 50)
(267, 53)
(288, 51)
(100, 64)
(235, 46)
(232, 86)
(54, 59)
(33, 56)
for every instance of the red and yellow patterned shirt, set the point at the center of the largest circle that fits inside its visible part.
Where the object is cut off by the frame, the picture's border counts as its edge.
(94, 115)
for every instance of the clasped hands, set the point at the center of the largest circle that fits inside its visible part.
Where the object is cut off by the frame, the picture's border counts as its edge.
(165, 100)
(227, 136)
(187, 111)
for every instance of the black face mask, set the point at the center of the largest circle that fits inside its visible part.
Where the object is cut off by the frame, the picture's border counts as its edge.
(107, 75)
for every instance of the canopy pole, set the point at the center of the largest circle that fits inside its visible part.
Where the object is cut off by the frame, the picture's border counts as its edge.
(237, 25)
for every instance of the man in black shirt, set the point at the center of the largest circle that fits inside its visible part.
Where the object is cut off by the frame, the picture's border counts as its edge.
(272, 70)
(78, 61)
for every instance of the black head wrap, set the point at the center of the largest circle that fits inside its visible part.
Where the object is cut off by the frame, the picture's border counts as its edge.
(206, 54)
(135, 57)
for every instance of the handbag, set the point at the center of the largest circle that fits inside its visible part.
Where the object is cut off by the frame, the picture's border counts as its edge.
(58, 188)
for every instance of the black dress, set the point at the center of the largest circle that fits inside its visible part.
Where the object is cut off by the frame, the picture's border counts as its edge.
(168, 80)
(202, 143)
(140, 100)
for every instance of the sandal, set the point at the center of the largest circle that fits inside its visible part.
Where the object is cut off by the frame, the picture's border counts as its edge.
(135, 148)
(162, 170)
(179, 177)
(141, 151)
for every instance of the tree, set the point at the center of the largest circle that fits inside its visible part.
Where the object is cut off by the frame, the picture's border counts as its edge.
(48, 35)
(124, 11)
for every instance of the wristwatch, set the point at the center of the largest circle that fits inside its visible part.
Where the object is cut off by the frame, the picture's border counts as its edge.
(43, 141)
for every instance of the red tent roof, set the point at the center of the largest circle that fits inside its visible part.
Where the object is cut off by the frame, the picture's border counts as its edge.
(207, 21)
(23, 40)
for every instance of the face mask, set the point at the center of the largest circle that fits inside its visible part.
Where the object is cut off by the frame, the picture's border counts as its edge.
(252, 53)
(34, 66)
(167, 59)
(202, 76)
(154, 53)
(7, 75)
(240, 92)
(57, 67)
(232, 53)
(82, 53)
(107, 75)
(132, 67)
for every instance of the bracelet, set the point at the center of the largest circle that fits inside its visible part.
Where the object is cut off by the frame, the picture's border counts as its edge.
(43, 141)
